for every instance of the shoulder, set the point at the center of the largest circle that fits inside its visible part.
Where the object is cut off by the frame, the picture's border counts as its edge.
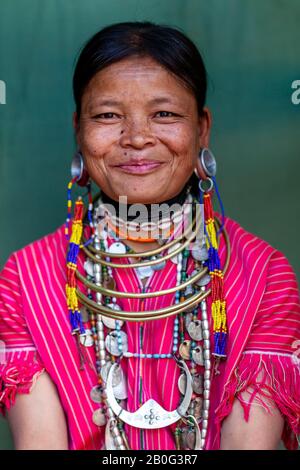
(250, 249)
(253, 259)
(51, 246)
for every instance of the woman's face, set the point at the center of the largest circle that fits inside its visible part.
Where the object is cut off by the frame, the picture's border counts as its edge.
(139, 131)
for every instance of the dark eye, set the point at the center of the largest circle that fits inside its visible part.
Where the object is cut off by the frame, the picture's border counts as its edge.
(165, 114)
(105, 116)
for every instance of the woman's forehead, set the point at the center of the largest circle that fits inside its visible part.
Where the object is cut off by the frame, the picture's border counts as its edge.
(135, 75)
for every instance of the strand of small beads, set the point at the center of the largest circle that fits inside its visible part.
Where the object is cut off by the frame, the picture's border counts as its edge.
(112, 429)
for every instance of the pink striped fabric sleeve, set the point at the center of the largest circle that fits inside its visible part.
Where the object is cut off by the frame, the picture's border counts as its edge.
(20, 363)
(268, 372)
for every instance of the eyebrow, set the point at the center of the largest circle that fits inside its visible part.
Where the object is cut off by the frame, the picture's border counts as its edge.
(110, 102)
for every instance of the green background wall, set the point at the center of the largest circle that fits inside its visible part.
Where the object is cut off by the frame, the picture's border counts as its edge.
(251, 49)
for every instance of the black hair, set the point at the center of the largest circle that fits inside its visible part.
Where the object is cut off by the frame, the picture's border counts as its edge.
(166, 45)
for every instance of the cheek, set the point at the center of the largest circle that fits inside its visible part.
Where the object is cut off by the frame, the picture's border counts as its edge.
(96, 141)
(180, 140)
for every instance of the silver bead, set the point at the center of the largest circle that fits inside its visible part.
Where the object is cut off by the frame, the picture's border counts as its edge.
(205, 415)
(206, 344)
(100, 331)
(203, 433)
(206, 404)
(206, 394)
(98, 297)
(204, 315)
(206, 334)
(206, 374)
(202, 443)
(119, 440)
(206, 354)
(207, 364)
(97, 268)
(205, 325)
(206, 384)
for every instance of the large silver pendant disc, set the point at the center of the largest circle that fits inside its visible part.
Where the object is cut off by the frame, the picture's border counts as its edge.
(112, 345)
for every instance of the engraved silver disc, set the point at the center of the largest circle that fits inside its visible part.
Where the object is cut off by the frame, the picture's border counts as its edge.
(184, 350)
(117, 248)
(99, 417)
(195, 330)
(87, 339)
(203, 281)
(89, 267)
(197, 384)
(197, 355)
(96, 394)
(199, 252)
(117, 376)
(112, 345)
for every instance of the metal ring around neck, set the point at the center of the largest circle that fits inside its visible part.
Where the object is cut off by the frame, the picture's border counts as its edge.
(142, 295)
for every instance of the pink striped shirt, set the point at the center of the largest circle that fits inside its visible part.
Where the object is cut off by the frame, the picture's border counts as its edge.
(263, 310)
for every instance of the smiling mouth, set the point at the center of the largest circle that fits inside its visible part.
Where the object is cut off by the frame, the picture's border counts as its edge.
(140, 169)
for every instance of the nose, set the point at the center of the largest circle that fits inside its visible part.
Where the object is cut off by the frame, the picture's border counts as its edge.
(137, 133)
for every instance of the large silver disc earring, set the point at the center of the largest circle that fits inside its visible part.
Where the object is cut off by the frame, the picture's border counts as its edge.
(206, 164)
(78, 169)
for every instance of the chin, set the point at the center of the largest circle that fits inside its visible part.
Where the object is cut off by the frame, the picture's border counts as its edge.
(142, 198)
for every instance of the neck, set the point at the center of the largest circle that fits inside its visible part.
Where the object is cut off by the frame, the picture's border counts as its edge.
(122, 210)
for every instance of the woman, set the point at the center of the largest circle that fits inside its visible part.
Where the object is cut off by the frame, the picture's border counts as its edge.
(209, 363)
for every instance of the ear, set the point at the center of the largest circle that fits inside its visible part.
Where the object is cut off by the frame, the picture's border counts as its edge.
(204, 125)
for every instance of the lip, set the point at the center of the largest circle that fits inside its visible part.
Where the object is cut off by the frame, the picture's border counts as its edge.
(139, 167)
